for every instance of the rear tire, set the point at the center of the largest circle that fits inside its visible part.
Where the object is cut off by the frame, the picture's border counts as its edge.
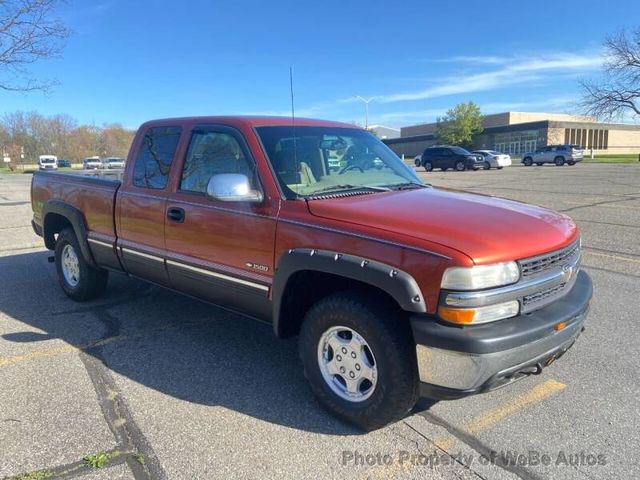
(527, 161)
(460, 166)
(347, 319)
(559, 161)
(79, 280)
(571, 163)
(428, 166)
(486, 166)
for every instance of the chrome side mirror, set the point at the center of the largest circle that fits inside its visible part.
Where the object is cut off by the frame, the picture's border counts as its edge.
(232, 187)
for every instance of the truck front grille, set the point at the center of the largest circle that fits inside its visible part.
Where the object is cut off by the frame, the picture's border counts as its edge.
(541, 263)
(547, 294)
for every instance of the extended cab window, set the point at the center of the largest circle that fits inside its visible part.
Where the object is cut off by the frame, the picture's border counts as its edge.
(213, 153)
(152, 166)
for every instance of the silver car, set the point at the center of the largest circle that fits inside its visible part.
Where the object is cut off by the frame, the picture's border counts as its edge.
(557, 154)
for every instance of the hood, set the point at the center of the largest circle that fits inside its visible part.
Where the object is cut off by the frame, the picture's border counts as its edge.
(487, 229)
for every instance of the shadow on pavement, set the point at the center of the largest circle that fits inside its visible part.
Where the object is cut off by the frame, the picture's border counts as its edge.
(167, 342)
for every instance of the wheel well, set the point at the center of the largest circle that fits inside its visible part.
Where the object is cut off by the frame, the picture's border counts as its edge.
(306, 287)
(54, 223)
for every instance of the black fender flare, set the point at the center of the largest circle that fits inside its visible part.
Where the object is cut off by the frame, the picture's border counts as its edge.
(401, 286)
(75, 218)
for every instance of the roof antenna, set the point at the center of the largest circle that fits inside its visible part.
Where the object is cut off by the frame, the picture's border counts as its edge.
(293, 123)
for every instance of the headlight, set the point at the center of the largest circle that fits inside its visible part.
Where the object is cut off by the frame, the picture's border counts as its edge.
(480, 277)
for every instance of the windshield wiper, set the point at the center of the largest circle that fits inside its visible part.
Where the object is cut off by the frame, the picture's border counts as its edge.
(407, 186)
(348, 186)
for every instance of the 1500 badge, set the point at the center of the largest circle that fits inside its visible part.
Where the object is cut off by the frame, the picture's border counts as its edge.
(257, 266)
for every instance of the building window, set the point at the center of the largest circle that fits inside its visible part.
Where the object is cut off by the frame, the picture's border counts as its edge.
(517, 143)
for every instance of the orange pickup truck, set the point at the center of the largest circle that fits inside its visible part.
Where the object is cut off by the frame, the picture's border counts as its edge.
(395, 289)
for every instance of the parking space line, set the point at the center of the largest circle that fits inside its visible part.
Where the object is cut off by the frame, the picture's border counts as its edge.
(68, 348)
(582, 204)
(535, 395)
(616, 257)
(476, 424)
(493, 416)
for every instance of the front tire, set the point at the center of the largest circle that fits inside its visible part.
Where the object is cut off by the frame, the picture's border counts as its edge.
(359, 357)
(486, 166)
(79, 280)
(460, 166)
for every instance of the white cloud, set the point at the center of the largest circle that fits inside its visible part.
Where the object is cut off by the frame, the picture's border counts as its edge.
(513, 71)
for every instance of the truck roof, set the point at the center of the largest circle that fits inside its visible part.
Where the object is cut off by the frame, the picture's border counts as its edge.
(247, 120)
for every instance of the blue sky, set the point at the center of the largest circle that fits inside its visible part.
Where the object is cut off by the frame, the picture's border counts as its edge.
(128, 62)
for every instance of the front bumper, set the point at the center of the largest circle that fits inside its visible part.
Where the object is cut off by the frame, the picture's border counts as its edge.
(458, 361)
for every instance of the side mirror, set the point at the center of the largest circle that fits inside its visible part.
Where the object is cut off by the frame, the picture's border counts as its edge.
(232, 187)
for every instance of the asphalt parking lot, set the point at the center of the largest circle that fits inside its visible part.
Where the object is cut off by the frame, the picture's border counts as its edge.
(170, 388)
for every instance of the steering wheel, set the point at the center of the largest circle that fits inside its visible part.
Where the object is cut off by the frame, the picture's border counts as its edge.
(350, 167)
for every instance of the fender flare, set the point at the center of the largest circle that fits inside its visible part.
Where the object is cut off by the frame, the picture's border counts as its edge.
(75, 218)
(401, 286)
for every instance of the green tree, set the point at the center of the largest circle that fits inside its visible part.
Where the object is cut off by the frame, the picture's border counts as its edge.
(459, 125)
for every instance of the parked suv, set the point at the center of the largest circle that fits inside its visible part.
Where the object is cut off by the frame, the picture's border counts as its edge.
(446, 156)
(558, 154)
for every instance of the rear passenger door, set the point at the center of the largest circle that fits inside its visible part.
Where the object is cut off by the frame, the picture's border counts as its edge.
(216, 250)
(445, 158)
(141, 202)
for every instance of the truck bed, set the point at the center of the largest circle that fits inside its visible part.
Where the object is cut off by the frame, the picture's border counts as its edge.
(89, 191)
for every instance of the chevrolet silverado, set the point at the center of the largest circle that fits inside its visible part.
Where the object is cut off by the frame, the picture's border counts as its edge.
(390, 302)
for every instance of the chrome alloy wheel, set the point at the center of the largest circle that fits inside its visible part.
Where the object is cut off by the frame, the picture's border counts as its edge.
(70, 265)
(347, 364)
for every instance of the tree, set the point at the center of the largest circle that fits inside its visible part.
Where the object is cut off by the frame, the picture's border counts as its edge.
(459, 125)
(28, 33)
(618, 92)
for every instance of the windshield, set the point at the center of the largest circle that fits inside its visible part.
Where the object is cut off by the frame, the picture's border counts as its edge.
(331, 159)
(47, 160)
(460, 151)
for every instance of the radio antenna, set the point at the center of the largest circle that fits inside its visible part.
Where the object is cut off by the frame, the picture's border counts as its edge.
(293, 123)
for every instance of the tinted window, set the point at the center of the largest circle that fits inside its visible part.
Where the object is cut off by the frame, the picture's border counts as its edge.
(430, 152)
(152, 166)
(445, 152)
(212, 153)
(459, 151)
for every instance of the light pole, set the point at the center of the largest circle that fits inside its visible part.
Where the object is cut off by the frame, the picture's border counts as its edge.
(366, 109)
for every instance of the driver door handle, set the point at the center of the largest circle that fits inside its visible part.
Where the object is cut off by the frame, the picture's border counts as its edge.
(175, 214)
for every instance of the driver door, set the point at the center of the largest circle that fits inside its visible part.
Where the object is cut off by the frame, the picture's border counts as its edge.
(221, 251)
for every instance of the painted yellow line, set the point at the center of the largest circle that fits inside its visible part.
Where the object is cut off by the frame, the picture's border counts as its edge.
(67, 348)
(493, 416)
(616, 257)
(28, 246)
(482, 421)
(6, 361)
(605, 205)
